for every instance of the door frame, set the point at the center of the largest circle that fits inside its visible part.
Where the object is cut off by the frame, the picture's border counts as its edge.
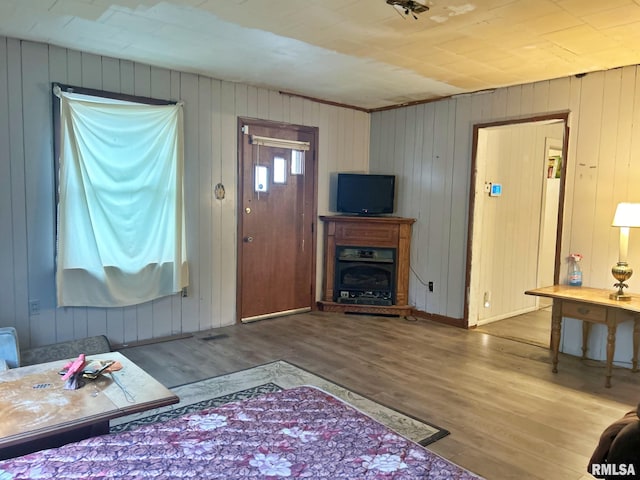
(564, 116)
(313, 153)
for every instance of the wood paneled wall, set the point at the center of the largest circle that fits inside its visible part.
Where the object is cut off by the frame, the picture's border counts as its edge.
(27, 209)
(429, 147)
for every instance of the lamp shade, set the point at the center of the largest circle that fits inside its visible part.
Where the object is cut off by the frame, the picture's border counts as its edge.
(627, 215)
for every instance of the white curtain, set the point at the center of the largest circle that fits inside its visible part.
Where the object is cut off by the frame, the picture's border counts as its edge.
(121, 230)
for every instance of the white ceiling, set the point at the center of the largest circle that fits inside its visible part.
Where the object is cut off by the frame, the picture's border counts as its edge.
(361, 53)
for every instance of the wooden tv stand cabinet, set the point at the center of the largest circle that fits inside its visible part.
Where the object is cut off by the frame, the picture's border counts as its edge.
(367, 232)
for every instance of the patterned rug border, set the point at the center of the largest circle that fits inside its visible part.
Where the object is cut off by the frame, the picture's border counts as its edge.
(198, 406)
(439, 434)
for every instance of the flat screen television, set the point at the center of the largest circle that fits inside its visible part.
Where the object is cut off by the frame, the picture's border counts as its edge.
(365, 194)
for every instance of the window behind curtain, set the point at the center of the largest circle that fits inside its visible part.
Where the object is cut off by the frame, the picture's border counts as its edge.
(121, 231)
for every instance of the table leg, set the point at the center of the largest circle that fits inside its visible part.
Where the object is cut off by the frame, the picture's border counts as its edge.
(556, 324)
(611, 347)
(636, 343)
(586, 330)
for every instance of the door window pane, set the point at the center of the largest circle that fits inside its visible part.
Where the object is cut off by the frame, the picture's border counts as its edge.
(279, 170)
(297, 162)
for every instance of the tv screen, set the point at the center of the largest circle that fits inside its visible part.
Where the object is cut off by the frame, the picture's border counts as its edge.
(365, 194)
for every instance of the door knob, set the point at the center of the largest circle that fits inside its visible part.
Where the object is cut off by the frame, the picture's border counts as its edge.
(248, 239)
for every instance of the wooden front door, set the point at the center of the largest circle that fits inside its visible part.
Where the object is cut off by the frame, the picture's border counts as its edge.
(277, 219)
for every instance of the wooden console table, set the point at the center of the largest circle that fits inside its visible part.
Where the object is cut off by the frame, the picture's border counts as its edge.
(37, 412)
(591, 305)
(366, 232)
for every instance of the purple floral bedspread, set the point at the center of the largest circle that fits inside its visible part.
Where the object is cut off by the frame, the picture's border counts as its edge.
(297, 433)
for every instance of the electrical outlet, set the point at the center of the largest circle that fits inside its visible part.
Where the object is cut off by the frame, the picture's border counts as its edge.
(430, 286)
(34, 307)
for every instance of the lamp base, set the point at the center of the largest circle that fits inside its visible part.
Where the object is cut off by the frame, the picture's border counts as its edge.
(621, 272)
(623, 298)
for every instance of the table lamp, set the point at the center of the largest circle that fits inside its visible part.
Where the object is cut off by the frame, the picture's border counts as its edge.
(627, 215)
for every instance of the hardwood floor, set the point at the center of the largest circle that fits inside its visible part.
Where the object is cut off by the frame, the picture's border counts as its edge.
(509, 416)
(533, 327)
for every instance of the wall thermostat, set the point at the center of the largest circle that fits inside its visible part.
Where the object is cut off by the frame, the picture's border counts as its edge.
(496, 190)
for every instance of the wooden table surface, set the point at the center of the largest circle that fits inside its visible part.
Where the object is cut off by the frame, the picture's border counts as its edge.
(594, 296)
(35, 405)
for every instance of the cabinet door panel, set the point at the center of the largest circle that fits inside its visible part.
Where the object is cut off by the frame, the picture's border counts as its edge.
(370, 235)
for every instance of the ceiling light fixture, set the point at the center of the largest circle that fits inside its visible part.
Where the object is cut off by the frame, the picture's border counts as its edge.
(408, 7)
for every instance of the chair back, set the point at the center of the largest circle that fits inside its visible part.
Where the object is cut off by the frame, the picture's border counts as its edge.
(9, 347)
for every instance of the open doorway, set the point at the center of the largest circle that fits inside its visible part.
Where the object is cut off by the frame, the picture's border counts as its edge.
(515, 214)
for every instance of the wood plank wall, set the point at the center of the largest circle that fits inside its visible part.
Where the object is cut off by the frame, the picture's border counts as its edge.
(429, 147)
(27, 210)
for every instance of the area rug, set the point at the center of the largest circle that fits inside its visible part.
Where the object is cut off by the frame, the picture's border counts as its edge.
(273, 377)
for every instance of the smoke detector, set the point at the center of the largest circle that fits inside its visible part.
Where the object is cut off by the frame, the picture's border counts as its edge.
(408, 7)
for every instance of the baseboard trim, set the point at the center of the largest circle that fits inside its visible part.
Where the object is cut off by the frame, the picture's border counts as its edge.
(150, 341)
(455, 322)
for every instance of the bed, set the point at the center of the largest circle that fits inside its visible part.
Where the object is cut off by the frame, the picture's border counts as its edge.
(301, 432)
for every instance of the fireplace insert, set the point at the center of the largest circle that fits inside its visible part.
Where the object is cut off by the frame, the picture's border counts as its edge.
(365, 275)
